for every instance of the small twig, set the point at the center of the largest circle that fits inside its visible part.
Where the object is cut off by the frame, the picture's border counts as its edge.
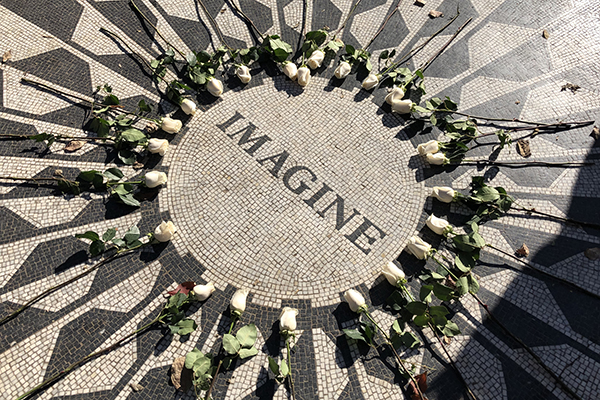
(390, 15)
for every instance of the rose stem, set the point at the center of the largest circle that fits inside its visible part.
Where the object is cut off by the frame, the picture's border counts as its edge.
(214, 380)
(400, 361)
(514, 337)
(87, 358)
(390, 15)
(215, 25)
(289, 361)
(63, 284)
(248, 20)
(405, 289)
(564, 281)
(156, 29)
(540, 126)
(347, 18)
(518, 164)
(58, 137)
(445, 46)
(569, 220)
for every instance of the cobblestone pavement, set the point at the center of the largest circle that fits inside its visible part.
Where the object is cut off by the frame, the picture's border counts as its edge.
(332, 193)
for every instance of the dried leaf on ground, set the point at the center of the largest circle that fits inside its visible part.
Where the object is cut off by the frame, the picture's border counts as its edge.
(137, 165)
(435, 14)
(422, 382)
(523, 148)
(184, 288)
(523, 251)
(74, 145)
(136, 387)
(595, 133)
(593, 253)
(573, 88)
(181, 377)
(419, 3)
(7, 56)
(545, 34)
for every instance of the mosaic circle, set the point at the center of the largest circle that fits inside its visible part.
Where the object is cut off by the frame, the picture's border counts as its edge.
(293, 192)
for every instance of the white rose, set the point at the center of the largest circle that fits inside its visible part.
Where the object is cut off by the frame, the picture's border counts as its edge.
(165, 231)
(290, 70)
(438, 225)
(238, 301)
(155, 178)
(188, 107)
(243, 72)
(428, 147)
(370, 82)
(316, 59)
(418, 248)
(436, 159)
(355, 300)
(203, 292)
(396, 94)
(342, 70)
(170, 125)
(393, 274)
(303, 76)
(287, 319)
(443, 193)
(159, 146)
(215, 87)
(402, 106)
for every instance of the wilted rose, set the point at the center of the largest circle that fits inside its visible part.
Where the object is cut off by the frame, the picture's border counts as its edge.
(215, 87)
(428, 147)
(203, 292)
(396, 94)
(159, 146)
(165, 231)
(436, 159)
(243, 72)
(370, 82)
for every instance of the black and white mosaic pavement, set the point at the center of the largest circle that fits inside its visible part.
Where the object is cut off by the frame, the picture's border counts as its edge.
(330, 194)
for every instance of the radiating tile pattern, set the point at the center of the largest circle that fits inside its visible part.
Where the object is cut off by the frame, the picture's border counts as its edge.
(249, 213)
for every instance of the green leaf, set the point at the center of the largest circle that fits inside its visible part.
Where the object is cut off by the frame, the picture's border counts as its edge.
(486, 194)
(425, 293)
(438, 310)
(128, 199)
(176, 301)
(127, 156)
(231, 344)
(91, 235)
(88, 176)
(245, 353)
(350, 49)
(416, 307)
(98, 182)
(442, 292)
(100, 126)
(132, 245)
(396, 301)
(421, 320)
(440, 320)
(285, 368)
(354, 334)
(113, 174)
(433, 119)
(119, 243)
(97, 247)
(201, 365)
(184, 327)
(273, 366)
(132, 234)
(191, 59)
(451, 329)
(109, 234)
(398, 326)
(420, 109)
(384, 55)
(133, 135)
(473, 284)
(318, 37)
(122, 188)
(111, 100)
(191, 357)
(410, 340)
(247, 335)
(462, 285)
(368, 65)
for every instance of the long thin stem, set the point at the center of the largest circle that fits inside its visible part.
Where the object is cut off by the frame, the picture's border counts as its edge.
(541, 126)
(85, 359)
(289, 361)
(156, 29)
(215, 25)
(541, 271)
(398, 358)
(528, 349)
(57, 137)
(445, 46)
(441, 342)
(521, 121)
(569, 220)
(390, 15)
(524, 163)
(44, 179)
(347, 18)
(248, 20)
(234, 319)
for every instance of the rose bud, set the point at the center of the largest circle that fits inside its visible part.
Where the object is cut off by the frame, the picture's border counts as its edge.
(243, 72)
(438, 225)
(215, 87)
(394, 275)
(418, 248)
(165, 231)
(303, 76)
(436, 159)
(316, 59)
(443, 194)
(370, 82)
(159, 146)
(188, 107)
(238, 301)
(342, 70)
(155, 178)
(396, 94)
(355, 300)
(402, 106)
(203, 292)
(170, 125)
(290, 70)
(428, 147)
(287, 320)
